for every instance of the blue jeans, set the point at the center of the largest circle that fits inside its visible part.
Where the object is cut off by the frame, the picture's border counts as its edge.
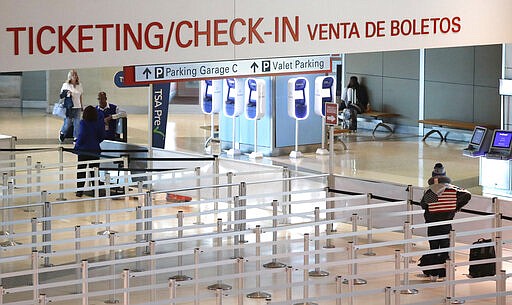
(75, 119)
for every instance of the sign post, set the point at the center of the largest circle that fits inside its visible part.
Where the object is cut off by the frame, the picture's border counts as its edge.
(331, 119)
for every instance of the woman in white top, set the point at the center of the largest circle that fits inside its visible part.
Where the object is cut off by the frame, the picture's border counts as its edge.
(75, 91)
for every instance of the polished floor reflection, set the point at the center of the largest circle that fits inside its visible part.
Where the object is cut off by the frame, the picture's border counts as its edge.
(400, 158)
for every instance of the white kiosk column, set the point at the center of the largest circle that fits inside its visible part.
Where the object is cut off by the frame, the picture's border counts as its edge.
(298, 107)
(210, 99)
(233, 107)
(255, 108)
(324, 93)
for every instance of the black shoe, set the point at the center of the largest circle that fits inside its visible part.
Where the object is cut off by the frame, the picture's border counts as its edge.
(62, 137)
(79, 194)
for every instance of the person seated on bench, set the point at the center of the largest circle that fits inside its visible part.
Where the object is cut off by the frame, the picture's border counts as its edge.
(354, 100)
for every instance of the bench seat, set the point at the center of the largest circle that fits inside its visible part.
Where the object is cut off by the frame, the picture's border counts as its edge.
(450, 124)
(379, 116)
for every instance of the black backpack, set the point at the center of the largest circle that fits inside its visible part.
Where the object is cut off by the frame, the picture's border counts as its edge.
(434, 259)
(487, 252)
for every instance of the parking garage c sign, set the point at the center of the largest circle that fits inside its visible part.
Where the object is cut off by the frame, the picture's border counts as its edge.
(224, 69)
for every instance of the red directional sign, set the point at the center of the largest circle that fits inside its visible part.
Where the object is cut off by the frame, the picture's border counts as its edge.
(331, 114)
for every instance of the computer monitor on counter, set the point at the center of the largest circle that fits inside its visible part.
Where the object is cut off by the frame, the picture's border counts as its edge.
(501, 145)
(479, 143)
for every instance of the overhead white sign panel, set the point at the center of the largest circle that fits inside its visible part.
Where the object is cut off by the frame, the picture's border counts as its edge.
(60, 34)
(232, 68)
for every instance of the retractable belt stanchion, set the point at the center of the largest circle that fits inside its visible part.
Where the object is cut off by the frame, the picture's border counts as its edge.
(35, 274)
(85, 282)
(339, 282)
(78, 256)
(10, 195)
(196, 275)
(148, 214)
(287, 197)
(258, 294)
(407, 259)
(180, 277)
(397, 276)
(229, 176)
(289, 271)
(139, 237)
(317, 272)
(274, 263)
(329, 228)
(216, 183)
(126, 286)
(61, 174)
(42, 299)
(29, 184)
(387, 295)
(33, 223)
(47, 237)
(236, 250)
(499, 253)
(152, 270)
(305, 288)
(107, 203)
(369, 225)
(112, 283)
(5, 218)
(140, 186)
(353, 254)
(219, 283)
(501, 287)
(197, 172)
(240, 271)
(496, 209)
(96, 182)
(450, 272)
(242, 192)
(172, 291)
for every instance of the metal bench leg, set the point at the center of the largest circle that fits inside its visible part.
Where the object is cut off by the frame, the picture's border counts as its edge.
(386, 126)
(431, 132)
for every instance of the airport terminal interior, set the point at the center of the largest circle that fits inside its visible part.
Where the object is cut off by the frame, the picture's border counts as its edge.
(212, 218)
(398, 159)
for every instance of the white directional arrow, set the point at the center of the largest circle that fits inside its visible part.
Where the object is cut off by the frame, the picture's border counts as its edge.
(331, 118)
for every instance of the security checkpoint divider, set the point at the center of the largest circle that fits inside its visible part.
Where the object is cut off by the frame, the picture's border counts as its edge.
(245, 247)
(251, 275)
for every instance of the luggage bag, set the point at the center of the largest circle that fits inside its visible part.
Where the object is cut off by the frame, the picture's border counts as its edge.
(487, 252)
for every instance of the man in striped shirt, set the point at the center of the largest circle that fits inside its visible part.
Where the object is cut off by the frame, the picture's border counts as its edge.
(441, 201)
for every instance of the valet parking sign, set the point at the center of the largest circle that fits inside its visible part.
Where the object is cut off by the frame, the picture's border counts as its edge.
(224, 69)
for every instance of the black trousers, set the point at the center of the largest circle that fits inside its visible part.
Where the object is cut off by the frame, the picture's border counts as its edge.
(82, 175)
(439, 230)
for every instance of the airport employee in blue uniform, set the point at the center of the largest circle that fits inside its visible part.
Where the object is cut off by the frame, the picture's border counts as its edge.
(110, 113)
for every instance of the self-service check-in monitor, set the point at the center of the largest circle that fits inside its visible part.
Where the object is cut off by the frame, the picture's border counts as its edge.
(501, 145)
(479, 143)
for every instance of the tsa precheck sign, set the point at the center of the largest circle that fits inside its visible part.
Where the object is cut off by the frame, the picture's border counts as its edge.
(232, 68)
